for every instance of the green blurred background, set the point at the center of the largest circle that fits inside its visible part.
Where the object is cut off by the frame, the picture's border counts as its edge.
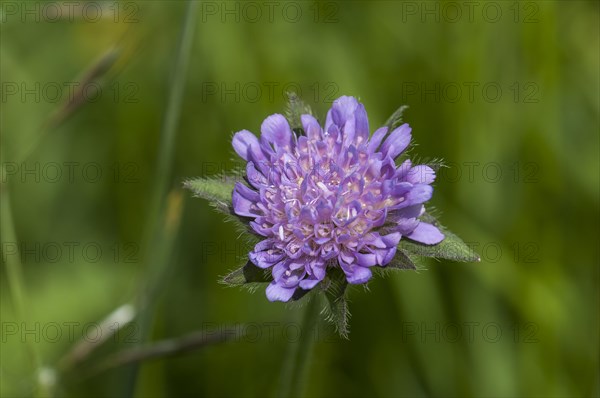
(507, 93)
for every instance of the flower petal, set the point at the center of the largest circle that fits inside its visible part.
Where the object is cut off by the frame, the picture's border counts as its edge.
(406, 225)
(384, 256)
(316, 272)
(418, 194)
(255, 177)
(311, 127)
(361, 125)
(366, 259)
(355, 273)
(427, 234)
(265, 255)
(318, 269)
(358, 275)
(244, 201)
(351, 118)
(403, 170)
(324, 210)
(242, 141)
(275, 292)
(308, 284)
(391, 240)
(397, 141)
(276, 130)
(397, 190)
(421, 174)
(376, 139)
(342, 110)
(258, 225)
(413, 211)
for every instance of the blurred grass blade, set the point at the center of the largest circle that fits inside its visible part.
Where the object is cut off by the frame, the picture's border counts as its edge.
(14, 268)
(76, 99)
(159, 240)
(102, 70)
(172, 115)
(158, 259)
(298, 355)
(93, 74)
(171, 347)
(16, 285)
(110, 325)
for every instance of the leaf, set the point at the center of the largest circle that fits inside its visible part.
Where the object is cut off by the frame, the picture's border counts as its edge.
(451, 248)
(401, 261)
(248, 274)
(299, 294)
(294, 110)
(396, 119)
(337, 306)
(216, 190)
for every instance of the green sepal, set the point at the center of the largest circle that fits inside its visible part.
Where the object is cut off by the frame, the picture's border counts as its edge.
(247, 275)
(396, 119)
(451, 248)
(335, 288)
(401, 261)
(294, 110)
(217, 191)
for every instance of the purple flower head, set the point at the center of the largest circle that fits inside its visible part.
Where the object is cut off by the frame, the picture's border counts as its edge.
(332, 197)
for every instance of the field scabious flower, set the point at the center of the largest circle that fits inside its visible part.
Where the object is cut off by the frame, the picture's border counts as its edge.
(330, 197)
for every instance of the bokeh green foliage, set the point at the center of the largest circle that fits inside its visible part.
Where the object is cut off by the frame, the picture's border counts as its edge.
(540, 290)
